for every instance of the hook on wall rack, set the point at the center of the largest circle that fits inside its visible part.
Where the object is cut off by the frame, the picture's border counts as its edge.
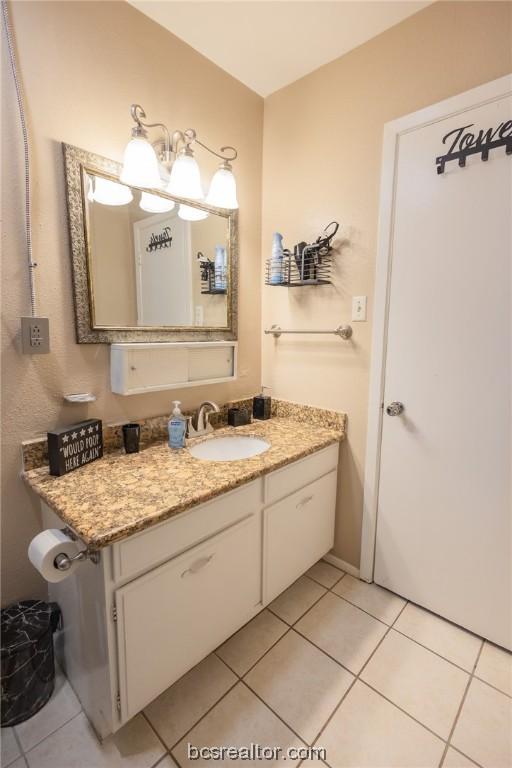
(477, 148)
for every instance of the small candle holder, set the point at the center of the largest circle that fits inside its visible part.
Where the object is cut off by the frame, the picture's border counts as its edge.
(131, 438)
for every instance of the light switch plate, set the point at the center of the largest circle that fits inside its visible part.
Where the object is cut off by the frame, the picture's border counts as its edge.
(359, 308)
(35, 335)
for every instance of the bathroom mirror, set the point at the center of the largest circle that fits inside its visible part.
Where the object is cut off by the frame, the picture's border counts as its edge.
(147, 266)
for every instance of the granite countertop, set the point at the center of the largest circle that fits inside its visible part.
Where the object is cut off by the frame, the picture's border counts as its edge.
(120, 494)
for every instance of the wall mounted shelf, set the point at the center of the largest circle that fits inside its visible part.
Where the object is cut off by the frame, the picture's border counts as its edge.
(297, 271)
(139, 368)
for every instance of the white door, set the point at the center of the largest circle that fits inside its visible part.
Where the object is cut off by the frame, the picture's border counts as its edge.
(444, 505)
(163, 266)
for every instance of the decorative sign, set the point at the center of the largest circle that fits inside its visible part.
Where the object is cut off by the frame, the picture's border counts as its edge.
(162, 240)
(463, 142)
(71, 447)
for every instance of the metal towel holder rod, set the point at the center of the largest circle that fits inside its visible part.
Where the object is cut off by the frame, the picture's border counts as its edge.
(343, 331)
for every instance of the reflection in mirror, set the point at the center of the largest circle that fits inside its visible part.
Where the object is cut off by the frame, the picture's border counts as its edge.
(153, 262)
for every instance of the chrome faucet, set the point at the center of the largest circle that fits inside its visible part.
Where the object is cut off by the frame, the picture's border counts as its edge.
(199, 424)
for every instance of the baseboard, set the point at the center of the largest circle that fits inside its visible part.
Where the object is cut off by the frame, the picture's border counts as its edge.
(339, 563)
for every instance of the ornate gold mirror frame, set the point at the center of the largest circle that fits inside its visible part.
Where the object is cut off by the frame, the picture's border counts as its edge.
(78, 162)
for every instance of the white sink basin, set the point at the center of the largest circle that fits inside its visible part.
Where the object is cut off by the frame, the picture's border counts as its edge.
(229, 448)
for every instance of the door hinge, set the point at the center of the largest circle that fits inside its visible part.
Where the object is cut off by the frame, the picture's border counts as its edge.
(118, 701)
(114, 613)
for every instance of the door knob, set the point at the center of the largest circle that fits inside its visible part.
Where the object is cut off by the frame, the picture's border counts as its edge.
(395, 408)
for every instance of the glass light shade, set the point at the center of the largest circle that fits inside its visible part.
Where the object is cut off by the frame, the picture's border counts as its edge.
(140, 165)
(222, 192)
(110, 192)
(185, 178)
(155, 204)
(188, 213)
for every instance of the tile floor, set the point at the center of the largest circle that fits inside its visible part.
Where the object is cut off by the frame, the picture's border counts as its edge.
(333, 662)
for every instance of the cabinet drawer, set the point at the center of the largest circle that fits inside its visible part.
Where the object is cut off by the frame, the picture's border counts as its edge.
(171, 618)
(286, 480)
(298, 531)
(147, 549)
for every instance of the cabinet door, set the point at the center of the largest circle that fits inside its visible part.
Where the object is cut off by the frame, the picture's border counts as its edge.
(172, 617)
(298, 531)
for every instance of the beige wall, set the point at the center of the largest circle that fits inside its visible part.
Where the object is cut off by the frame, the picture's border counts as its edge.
(322, 153)
(83, 64)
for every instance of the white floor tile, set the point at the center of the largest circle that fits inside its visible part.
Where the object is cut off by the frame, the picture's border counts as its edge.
(178, 708)
(75, 746)
(369, 732)
(10, 749)
(238, 720)
(296, 600)
(484, 728)
(453, 643)
(495, 667)
(249, 644)
(167, 762)
(300, 684)
(381, 603)
(19, 763)
(326, 575)
(424, 685)
(343, 631)
(454, 759)
(62, 706)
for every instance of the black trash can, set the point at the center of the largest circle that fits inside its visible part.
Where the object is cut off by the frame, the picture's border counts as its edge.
(28, 667)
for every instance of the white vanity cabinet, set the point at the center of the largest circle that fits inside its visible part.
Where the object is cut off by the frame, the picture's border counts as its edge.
(161, 600)
(298, 531)
(174, 616)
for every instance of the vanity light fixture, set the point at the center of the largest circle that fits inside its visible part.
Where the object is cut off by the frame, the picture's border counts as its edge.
(222, 192)
(109, 192)
(155, 204)
(90, 190)
(140, 164)
(185, 178)
(169, 163)
(188, 213)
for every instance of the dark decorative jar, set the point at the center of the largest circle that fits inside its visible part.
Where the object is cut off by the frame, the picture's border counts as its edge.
(28, 667)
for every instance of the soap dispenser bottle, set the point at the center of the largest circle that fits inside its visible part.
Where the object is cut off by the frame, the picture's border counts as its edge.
(177, 426)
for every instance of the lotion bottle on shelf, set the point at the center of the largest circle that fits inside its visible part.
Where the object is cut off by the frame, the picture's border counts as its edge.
(177, 426)
(276, 262)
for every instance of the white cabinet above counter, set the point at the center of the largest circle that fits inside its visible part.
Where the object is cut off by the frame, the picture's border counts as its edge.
(148, 367)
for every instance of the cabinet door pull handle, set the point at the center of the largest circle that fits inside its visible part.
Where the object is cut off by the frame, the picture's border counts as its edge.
(197, 566)
(304, 501)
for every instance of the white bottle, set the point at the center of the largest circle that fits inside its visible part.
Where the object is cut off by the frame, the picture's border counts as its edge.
(176, 427)
(220, 267)
(276, 262)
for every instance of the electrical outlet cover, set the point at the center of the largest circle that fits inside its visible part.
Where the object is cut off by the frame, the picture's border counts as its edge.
(35, 335)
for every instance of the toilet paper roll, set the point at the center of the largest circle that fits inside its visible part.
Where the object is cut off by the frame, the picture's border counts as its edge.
(44, 548)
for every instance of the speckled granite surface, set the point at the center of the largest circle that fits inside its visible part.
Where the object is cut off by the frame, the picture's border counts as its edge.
(34, 453)
(119, 495)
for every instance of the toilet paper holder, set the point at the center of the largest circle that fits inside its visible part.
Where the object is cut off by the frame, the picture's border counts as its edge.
(64, 562)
